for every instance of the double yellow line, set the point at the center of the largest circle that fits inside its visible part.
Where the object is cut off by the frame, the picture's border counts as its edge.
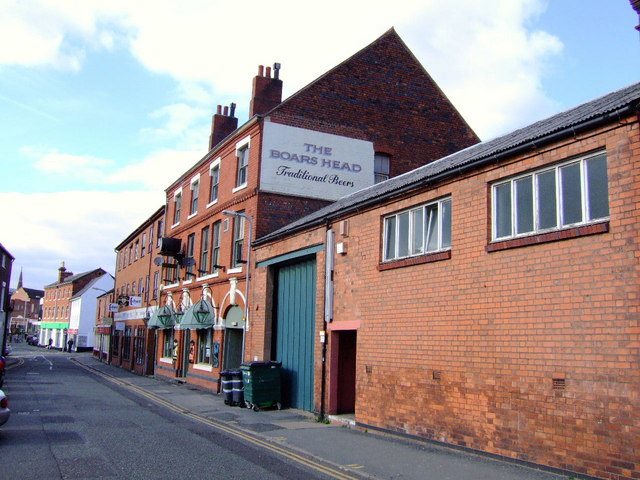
(300, 459)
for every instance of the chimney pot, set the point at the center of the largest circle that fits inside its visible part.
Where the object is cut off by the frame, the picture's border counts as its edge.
(219, 111)
(225, 112)
(261, 70)
(232, 110)
(268, 74)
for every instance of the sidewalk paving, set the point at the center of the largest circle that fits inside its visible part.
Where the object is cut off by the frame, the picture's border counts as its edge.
(357, 451)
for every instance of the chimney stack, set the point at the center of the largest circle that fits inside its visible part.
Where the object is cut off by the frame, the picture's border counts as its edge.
(223, 123)
(62, 272)
(267, 91)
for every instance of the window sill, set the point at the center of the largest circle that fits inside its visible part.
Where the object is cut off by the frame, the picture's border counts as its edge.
(418, 260)
(557, 235)
(203, 366)
(211, 204)
(168, 360)
(207, 277)
(239, 187)
(192, 215)
(234, 270)
(175, 225)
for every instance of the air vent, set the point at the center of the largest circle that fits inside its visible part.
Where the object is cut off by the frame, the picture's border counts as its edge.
(437, 375)
(559, 384)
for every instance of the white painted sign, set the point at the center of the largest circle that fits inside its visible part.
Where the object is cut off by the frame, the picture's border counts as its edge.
(135, 301)
(134, 314)
(304, 162)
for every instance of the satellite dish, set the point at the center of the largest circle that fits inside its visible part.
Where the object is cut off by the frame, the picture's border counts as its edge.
(189, 262)
(157, 261)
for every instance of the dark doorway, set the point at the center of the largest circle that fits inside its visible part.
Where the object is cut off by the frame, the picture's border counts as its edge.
(232, 348)
(346, 384)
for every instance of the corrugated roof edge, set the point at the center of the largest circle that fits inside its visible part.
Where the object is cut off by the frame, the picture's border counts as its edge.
(567, 123)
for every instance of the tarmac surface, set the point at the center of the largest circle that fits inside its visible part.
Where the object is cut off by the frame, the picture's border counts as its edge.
(356, 451)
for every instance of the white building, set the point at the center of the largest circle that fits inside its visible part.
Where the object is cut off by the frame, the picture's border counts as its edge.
(83, 312)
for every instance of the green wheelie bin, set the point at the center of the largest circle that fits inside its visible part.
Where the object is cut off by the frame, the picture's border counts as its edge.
(261, 381)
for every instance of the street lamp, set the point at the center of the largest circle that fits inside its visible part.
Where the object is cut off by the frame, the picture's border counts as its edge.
(245, 327)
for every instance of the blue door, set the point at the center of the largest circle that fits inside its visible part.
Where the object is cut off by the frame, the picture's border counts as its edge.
(294, 330)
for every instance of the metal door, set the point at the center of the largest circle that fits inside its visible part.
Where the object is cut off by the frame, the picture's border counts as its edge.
(294, 331)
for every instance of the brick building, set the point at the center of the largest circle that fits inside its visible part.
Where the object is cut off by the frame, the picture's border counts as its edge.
(6, 263)
(56, 310)
(376, 115)
(26, 309)
(137, 285)
(103, 323)
(487, 300)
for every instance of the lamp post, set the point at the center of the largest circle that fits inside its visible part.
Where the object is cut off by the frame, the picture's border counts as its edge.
(245, 327)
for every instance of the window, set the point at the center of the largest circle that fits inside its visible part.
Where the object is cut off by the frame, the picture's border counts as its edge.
(115, 343)
(204, 252)
(204, 345)
(177, 202)
(151, 239)
(215, 246)
(167, 343)
(215, 180)
(144, 244)
(238, 242)
(146, 289)
(381, 167)
(191, 246)
(130, 254)
(140, 287)
(137, 249)
(243, 165)
(159, 239)
(133, 289)
(138, 345)
(156, 284)
(126, 344)
(195, 191)
(566, 195)
(418, 231)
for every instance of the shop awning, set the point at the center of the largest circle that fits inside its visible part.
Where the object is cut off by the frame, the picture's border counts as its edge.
(164, 317)
(200, 315)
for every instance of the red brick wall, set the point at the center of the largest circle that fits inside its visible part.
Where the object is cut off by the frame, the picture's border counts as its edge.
(382, 94)
(466, 350)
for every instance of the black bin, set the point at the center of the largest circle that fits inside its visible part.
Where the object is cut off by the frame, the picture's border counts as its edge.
(237, 388)
(227, 386)
(262, 384)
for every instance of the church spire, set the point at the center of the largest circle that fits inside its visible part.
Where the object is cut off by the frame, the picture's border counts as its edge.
(19, 280)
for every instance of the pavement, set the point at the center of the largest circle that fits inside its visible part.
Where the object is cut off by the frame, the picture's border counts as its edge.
(341, 444)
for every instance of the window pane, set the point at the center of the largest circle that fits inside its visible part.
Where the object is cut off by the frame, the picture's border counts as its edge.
(524, 205)
(445, 213)
(403, 235)
(547, 202)
(597, 187)
(417, 245)
(390, 238)
(571, 194)
(431, 227)
(503, 210)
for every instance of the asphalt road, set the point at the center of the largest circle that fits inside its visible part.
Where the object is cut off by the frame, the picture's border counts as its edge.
(69, 424)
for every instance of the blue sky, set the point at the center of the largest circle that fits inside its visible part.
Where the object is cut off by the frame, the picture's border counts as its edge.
(95, 95)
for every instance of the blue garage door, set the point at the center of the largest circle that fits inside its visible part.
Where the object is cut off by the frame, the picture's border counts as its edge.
(295, 317)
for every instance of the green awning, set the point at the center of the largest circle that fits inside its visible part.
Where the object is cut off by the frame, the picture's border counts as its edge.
(59, 325)
(164, 317)
(200, 315)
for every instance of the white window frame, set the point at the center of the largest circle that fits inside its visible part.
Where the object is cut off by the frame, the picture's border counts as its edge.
(214, 166)
(411, 233)
(586, 218)
(193, 184)
(176, 194)
(244, 144)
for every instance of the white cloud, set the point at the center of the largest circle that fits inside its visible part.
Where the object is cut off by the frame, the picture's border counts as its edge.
(482, 53)
(51, 161)
(182, 123)
(80, 228)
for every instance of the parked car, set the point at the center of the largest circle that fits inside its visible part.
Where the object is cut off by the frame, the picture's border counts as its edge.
(3, 364)
(7, 350)
(4, 408)
(32, 340)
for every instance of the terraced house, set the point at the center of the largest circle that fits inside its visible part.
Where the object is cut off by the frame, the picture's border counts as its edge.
(376, 115)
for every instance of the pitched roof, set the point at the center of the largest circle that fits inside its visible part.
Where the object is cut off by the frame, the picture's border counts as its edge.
(33, 293)
(89, 286)
(75, 278)
(605, 109)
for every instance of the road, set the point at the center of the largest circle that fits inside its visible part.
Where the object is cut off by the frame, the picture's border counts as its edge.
(68, 423)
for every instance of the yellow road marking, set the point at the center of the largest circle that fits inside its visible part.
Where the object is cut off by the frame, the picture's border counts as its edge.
(225, 428)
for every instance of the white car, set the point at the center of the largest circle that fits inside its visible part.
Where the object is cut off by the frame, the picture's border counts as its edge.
(4, 408)
(7, 349)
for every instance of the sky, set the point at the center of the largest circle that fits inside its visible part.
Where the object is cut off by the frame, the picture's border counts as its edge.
(104, 103)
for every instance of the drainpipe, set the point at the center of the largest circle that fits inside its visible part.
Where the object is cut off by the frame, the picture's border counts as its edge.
(328, 313)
